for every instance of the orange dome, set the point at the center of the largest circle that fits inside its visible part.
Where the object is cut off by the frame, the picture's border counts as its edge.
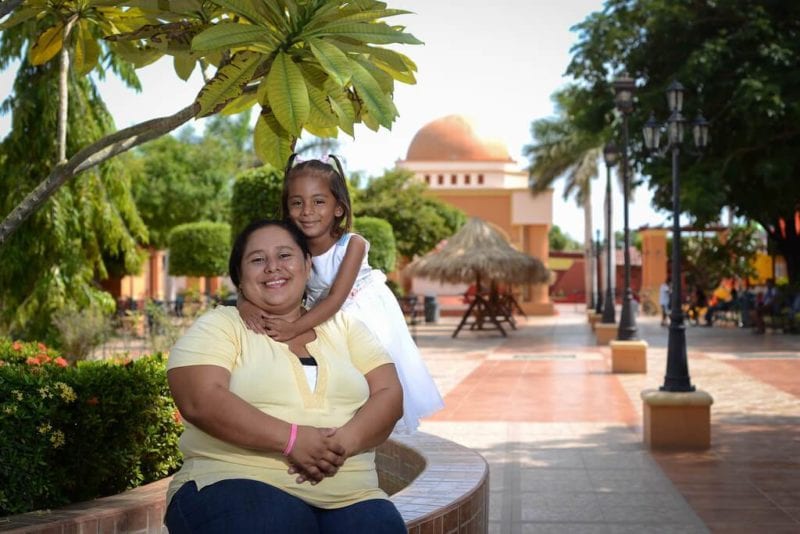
(453, 138)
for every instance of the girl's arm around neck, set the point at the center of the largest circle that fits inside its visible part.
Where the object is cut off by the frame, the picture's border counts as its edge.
(327, 307)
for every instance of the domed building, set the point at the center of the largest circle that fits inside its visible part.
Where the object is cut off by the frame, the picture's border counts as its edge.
(478, 176)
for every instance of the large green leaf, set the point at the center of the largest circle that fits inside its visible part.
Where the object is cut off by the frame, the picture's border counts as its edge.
(288, 95)
(343, 107)
(320, 114)
(47, 45)
(87, 52)
(332, 59)
(175, 6)
(351, 13)
(138, 56)
(378, 33)
(184, 65)
(378, 103)
(230, 35)
(228, 82)
(240, 104)
(370, 121)
(271, 142)
(385, 81)
(247, 9)
(356, 16)
(19, 15)
(397, 65)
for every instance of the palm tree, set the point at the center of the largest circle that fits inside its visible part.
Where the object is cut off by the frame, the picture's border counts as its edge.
(561, 148)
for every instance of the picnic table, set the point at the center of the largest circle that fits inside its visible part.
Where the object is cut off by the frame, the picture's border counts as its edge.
(488, 310)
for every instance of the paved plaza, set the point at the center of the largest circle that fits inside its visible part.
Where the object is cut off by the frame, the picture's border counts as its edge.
(563, 435)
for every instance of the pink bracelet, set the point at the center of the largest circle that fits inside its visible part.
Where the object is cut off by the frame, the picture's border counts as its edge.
(292, 439)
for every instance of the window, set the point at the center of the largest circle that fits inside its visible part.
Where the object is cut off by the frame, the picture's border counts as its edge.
(467, 179)
(480, 179)
(440, 179)
(428, 179)
(453, 179)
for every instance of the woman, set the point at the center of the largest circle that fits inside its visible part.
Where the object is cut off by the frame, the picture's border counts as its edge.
(273, 443)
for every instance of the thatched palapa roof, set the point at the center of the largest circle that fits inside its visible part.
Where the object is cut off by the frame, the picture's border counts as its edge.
(478, 251)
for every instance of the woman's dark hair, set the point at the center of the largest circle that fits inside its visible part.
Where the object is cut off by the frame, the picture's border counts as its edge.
(338, 186)
(240, 243)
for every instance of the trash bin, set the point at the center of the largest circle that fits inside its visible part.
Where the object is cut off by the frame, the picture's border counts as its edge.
(431, 309)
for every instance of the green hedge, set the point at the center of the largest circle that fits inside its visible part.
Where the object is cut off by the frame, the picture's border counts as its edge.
(256, 195)
(199, 249)
(73, 433)
(382, 246)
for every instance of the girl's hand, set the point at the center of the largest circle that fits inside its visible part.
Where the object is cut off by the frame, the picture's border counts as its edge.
(280, 330)
(252, 315)
(315, 455)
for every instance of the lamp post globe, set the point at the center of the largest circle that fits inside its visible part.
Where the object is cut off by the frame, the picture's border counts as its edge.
(610, 156)
(623, 98)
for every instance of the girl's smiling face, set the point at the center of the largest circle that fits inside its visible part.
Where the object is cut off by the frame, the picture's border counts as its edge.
(274, 271)
(312, 206)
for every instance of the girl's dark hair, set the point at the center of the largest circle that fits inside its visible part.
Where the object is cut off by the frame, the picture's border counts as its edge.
(335, 177)
(240, 244)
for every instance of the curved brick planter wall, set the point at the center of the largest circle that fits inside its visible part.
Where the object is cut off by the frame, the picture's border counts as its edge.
(438, 486)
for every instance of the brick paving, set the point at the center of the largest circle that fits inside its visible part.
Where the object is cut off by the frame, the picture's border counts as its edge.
(563, 435)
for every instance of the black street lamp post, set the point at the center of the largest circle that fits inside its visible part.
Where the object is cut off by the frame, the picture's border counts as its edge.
(610, 155)
(598, 293)
(677, 377)
(623, 98)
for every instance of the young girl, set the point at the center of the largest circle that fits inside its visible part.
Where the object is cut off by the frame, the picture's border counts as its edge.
(315, 198)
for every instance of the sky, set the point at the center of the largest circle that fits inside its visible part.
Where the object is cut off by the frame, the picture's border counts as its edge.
(496, 63)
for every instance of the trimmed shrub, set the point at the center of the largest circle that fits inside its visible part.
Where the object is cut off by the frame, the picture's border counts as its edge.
(256, 195)
(382, 246)
(73, 433)
(199, 249)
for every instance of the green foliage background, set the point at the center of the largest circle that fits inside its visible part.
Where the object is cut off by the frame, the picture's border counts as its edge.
(183, 179)
(199, 249)
(737, 61)
(88, 225)
(256, 195)
(419, 221)
(382, 247)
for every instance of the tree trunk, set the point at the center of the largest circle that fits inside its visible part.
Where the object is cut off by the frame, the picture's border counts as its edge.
(588, 252)
(89, 157)
(63, 91)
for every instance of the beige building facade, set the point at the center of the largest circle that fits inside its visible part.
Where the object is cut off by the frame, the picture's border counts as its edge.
(479, 177)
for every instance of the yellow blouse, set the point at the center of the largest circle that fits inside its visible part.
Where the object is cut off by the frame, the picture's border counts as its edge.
(270, 377)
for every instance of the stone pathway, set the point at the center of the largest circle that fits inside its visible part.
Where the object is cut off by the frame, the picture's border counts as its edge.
(563, 435)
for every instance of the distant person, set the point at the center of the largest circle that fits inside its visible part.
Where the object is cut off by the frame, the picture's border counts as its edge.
(664, 295)
(316, 200)
(179, 300)
(721, 305)
(768, 305)
(698, 303)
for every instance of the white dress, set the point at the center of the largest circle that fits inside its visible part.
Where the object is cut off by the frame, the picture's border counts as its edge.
(372, 302)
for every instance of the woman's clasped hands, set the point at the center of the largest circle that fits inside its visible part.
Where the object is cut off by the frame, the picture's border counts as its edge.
(317, 453)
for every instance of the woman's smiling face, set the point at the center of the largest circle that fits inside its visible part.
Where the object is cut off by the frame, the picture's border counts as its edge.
(274, 271)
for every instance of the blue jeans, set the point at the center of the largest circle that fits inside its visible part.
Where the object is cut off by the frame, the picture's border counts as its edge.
(252, 507)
